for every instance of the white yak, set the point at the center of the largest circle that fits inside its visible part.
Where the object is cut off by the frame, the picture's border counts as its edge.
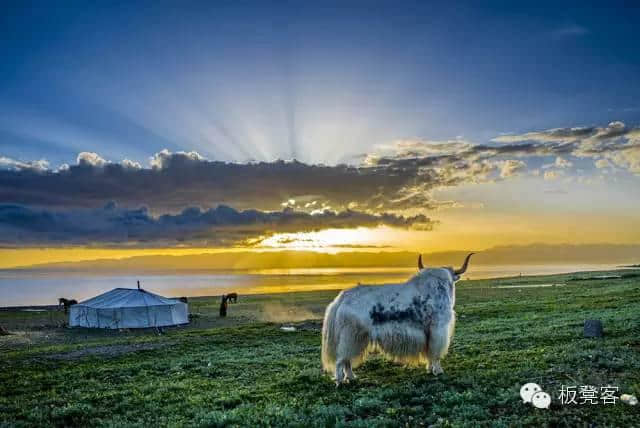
(410, 322)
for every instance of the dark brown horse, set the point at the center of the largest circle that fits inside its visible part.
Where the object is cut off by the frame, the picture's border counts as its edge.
(66, 303)
(232, 297)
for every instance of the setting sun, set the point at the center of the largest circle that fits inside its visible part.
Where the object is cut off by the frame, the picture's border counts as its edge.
(332, 240)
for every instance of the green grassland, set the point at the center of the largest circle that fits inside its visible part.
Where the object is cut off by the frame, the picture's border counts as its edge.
(244, 370)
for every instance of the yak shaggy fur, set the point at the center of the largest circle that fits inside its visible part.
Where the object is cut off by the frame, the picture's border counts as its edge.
(411, 323)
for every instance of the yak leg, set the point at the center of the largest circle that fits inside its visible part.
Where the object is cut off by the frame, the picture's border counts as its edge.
(349, 372)
(439, 336)
(339, 371)
(350, 345)
(344, 372)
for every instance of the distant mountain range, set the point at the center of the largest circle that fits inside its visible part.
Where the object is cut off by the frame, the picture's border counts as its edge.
(505, 255)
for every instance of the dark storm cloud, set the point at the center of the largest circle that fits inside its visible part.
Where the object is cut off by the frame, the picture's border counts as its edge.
(395, 177)
(216, 226)
(176, 180)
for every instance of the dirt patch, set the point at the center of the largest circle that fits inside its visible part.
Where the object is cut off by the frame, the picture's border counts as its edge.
(277, 312)
(307, 325)
(106, 351)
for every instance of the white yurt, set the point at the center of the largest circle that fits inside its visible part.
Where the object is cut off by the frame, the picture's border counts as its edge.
(128, 308)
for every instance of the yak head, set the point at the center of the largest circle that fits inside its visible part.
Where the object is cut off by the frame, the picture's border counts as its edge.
(455, 273)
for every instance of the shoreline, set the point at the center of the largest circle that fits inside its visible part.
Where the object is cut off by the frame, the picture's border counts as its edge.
(463, 282)
(315, 270)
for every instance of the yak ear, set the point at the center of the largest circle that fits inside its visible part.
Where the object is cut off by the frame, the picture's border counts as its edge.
(453, 274)
(420, 265)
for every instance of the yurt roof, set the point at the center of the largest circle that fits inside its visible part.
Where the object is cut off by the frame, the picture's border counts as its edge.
(127, 297)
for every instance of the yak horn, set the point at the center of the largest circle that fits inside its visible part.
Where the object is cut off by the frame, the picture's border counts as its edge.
(463, 269)
(420, 265)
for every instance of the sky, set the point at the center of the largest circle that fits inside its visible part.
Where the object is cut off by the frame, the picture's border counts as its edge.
(317, 125)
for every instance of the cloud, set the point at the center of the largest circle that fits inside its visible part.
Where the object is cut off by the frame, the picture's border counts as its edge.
(615, 142)
(549, 135)
(512, 167)
(411, 149)
(166, 160)
(223, 225)
(176, 180)
(562, 163)
(14, 165)
(602, 163)
(90, 159)
(453, 163)
(126, 163)
(613, 130)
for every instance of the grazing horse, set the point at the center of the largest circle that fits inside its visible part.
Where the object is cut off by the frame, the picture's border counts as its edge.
(232, 297)
(411, 322)
(66, 303)
(223, 306)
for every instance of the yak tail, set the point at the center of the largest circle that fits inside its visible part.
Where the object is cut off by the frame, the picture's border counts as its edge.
(329, 335)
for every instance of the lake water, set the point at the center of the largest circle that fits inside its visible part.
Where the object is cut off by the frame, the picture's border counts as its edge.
(18, 288)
